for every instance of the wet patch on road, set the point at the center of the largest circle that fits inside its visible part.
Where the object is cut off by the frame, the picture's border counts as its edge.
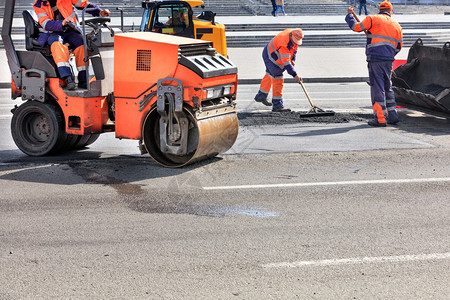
(92, 176)
(294, 117)
(153, 205)
(176, 201)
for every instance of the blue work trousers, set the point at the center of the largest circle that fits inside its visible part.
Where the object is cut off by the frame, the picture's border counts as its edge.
(381, 90)
(74, 39)
(276, 73)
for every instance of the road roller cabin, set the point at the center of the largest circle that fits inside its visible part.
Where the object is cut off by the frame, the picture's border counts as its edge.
(174, 95)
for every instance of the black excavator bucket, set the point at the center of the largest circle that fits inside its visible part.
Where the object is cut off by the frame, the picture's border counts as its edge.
(423, 82)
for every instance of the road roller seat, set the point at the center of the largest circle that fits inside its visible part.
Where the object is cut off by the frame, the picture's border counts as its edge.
(32, 34)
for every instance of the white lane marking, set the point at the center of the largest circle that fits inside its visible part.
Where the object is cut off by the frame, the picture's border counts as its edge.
(23, 169)
(325, 183)
(359, 260)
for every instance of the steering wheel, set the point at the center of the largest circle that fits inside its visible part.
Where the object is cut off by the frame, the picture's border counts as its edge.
(96, 22)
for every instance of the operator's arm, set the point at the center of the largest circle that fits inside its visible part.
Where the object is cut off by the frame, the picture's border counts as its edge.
(96, 10)
(366, 24)
(289, 63)
(285, 56)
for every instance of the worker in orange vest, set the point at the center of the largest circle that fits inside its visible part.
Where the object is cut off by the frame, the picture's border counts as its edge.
(54, 17)
(279, 55)
(384, 41)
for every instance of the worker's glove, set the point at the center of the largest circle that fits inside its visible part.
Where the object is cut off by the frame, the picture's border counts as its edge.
(66, 20)
(298, 79)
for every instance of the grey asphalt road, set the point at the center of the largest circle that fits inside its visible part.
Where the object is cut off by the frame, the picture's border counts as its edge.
(296, 211)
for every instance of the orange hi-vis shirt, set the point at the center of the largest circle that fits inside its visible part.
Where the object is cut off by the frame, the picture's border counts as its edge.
(282, 51)
(384, 35)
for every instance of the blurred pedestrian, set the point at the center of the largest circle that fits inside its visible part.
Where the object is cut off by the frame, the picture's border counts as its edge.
(280, 5)
(384, 41)
(362, 3)
(274, 7)
(279, 55)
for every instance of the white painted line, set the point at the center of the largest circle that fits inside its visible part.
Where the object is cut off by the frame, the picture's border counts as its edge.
(331, 183)
(359, 260)
(24, 169)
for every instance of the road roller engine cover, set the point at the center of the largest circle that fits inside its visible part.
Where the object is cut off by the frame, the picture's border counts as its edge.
(174, 95)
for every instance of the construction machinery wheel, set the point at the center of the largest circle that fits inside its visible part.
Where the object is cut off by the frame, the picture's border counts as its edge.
(38, 128)
(85, 140)
(205, 138)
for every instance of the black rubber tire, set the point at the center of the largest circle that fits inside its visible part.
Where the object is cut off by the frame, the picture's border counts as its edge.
(38, 128)
(70, 143)
(85, 140)
(92, 139)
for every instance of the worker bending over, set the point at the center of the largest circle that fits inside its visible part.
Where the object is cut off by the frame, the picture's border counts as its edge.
(384, 41)
(279, 55)
(54, 17)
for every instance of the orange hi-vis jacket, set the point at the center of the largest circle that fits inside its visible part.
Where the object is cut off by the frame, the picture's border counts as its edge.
(384, 35)
(45, 14)
(281, 51)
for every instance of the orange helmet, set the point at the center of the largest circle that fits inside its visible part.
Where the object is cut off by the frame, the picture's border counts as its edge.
(385, 5)
(297, 36)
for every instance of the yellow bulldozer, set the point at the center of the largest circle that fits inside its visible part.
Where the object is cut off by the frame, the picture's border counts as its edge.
(176, 17)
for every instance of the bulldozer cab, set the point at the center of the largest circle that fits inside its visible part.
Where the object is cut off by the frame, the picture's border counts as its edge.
(168, 17)
(175, 17)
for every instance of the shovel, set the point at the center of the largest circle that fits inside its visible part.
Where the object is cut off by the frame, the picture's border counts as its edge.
(314, 111)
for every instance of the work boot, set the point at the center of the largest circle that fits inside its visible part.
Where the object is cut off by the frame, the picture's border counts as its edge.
(82, 84)
(375, 123)
(281, 109)
(70, 84)
(262, 98)
(392, 122)
(392, 118)
(82, 80)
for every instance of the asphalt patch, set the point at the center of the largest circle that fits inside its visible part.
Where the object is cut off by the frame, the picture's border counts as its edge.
(293, 117)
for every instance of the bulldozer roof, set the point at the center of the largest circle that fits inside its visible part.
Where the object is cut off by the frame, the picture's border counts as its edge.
(192, 3)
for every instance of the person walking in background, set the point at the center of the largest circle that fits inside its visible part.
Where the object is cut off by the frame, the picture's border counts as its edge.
(274, 7)
(279, 55)
(362, 3)
(280, 5)
(384, 41)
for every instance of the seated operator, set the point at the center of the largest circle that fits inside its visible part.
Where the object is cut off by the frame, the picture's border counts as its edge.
(176, 22)
(53, 17)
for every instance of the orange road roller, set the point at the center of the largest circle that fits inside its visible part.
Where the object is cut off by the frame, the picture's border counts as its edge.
(174, 95)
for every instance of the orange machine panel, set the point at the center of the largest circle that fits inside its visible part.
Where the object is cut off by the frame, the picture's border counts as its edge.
(81, 115)
(141, 58)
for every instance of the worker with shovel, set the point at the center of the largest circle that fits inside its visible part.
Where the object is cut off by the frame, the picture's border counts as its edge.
(384, 41)
(279, 55)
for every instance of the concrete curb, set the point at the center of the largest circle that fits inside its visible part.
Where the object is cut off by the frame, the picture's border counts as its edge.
(7, 85)
(310, 80)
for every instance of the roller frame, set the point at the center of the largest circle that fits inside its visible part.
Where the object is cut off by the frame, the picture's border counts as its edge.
(172, 140)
